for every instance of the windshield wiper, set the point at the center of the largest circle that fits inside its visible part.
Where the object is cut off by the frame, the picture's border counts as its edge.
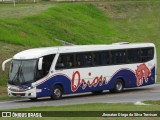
(21, 74)
(16, 76)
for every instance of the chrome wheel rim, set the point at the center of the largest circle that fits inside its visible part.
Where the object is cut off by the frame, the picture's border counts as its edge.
(119, 86)
(57, 93)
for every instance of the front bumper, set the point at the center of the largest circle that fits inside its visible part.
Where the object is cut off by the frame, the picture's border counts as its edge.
(26, 94)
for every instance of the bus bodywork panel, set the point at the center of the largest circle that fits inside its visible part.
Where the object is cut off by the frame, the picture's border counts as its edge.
(83, 80)
(75, 82)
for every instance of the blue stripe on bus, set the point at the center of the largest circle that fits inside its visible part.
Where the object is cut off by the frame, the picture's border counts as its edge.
(125, 74)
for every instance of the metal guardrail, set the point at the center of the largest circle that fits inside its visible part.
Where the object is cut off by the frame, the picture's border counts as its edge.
(6, 0)
(19, 1)
(64, 42)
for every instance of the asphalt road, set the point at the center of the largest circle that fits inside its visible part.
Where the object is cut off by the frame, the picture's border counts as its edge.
(151, 92)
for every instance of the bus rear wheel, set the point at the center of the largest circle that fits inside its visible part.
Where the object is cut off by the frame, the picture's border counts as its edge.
(118, 87)
(57, 92)
(97, 92)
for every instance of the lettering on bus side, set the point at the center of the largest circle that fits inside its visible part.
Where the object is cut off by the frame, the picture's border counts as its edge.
(76, 76)
(142, 72)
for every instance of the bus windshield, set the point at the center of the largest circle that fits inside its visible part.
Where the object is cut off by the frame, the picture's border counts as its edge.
(22, 72)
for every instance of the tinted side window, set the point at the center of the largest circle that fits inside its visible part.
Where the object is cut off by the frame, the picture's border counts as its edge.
(96, 58)
(104, 58)
(65, 61)
(88, 59)
(134, 56)
(147, 54)
(84, 59)
(47, 62)
(118, 57)
(101, 58)
(70, 61)
(79, 60)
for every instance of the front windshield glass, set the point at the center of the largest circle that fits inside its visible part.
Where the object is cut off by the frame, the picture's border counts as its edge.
(22, 71)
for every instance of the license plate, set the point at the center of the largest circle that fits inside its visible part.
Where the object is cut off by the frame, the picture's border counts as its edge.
(18, 95)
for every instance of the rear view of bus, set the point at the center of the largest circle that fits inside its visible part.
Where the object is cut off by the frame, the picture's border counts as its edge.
(55, 71)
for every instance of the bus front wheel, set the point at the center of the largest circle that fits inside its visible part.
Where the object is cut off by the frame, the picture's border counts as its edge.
(118, 87)
(57, 92)
(33, 99)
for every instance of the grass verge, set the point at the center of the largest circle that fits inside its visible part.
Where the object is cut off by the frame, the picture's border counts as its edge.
(94, 107)
(153, 102)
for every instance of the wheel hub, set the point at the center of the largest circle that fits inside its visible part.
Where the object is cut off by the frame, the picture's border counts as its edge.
(57, 92)
(119, 86)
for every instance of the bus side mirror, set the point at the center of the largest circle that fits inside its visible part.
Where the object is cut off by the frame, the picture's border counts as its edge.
(3, 64)
(40, 62)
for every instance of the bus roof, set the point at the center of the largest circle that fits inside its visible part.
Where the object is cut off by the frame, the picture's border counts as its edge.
(39, 52)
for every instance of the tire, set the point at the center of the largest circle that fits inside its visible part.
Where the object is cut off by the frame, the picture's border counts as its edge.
(33, 99)
(97, 92)
(118, 87)
(111, 91)
(57, 92)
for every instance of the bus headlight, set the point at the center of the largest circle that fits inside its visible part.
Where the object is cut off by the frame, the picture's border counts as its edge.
(29, 88)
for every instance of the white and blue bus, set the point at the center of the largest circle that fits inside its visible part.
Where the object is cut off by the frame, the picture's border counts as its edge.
(54, 71)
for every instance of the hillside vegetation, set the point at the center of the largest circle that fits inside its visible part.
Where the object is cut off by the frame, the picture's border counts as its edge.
(37, 25)
(77, 23)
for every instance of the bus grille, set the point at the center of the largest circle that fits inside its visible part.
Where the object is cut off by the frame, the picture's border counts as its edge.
(18, 94)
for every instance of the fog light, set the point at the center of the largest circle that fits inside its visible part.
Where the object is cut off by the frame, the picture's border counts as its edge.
(32, 94)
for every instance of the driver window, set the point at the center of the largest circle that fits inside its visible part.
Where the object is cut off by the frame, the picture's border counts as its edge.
(46, 65)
